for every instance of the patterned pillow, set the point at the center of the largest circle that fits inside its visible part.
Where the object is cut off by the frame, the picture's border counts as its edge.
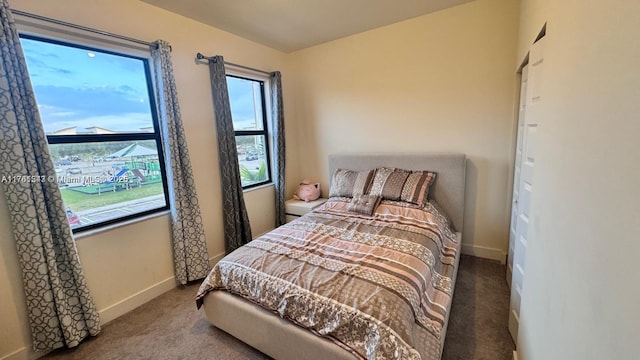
(402, 185)
(349, 183)
(364, 204)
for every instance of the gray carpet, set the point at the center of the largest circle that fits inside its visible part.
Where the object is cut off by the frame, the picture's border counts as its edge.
(169, 327)
(480, 313)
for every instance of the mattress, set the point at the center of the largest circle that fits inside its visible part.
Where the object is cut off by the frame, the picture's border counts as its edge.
(376, 286)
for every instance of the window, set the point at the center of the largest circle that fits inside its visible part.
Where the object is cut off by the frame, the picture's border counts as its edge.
(248, 111)
(99, 115)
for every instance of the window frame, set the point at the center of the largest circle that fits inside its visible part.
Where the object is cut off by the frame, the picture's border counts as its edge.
(156, 135)
(265, 127)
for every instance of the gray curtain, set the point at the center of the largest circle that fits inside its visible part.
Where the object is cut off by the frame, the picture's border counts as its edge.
(60, 309)
(277, 128)
(191, 259)
(237, 230)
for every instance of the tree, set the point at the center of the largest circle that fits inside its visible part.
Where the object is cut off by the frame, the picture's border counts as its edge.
(251, 177)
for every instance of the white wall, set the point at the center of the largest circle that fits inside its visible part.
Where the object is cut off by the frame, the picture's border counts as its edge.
(440, 82)
(580, 294)
(131, 264)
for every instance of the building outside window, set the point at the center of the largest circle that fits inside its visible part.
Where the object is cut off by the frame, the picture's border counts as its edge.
(99, 114)
(248, 111)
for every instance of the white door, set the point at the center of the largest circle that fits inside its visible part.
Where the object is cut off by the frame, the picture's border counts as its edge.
(523, 186)
(517, 171)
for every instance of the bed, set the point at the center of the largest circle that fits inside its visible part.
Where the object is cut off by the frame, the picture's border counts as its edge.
(345, 321)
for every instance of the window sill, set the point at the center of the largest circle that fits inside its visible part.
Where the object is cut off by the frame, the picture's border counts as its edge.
(258, 187)
(119, 224)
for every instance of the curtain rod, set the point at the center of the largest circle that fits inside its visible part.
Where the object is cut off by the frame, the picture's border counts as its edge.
(80, 27)
(199, 56)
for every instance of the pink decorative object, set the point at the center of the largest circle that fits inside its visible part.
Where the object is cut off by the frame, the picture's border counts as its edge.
(307, 191)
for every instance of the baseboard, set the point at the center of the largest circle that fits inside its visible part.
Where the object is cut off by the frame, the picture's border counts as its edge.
(24, 353)
(20, 354)
(140, 298)
(485, 252)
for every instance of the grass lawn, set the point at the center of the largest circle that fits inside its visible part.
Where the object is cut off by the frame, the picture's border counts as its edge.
(78, 201)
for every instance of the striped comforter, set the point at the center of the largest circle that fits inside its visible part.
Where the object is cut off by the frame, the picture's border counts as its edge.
(377, 285)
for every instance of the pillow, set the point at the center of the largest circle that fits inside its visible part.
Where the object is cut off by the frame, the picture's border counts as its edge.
(402, 185)
(416, 188)
(349, 183)
(364, 204)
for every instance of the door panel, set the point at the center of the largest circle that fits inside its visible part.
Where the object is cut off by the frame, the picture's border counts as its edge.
(517, 174)
(524, 177)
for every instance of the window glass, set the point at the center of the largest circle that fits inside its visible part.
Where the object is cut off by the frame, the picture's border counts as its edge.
(81, 91)
(100, 122)
(252, 156)
(245, 97)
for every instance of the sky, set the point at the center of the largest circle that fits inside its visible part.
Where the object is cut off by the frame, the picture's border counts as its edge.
(241, 98)
(84, 88)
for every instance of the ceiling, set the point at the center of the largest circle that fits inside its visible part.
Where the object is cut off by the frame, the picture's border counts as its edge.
(290, 25)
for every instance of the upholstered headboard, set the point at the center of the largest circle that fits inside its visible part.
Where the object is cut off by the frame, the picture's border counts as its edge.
(448, 189)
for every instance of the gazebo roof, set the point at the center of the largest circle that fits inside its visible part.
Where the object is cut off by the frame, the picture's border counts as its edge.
(134, 150)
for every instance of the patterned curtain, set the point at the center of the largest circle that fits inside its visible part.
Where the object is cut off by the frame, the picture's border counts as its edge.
(277, 128)
(237, 230)
(61, 311)
(190, 256)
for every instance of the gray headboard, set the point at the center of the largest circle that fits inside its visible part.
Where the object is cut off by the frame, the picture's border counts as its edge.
(448, 189)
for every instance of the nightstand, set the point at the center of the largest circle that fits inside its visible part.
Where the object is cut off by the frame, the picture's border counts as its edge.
(296, 208)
